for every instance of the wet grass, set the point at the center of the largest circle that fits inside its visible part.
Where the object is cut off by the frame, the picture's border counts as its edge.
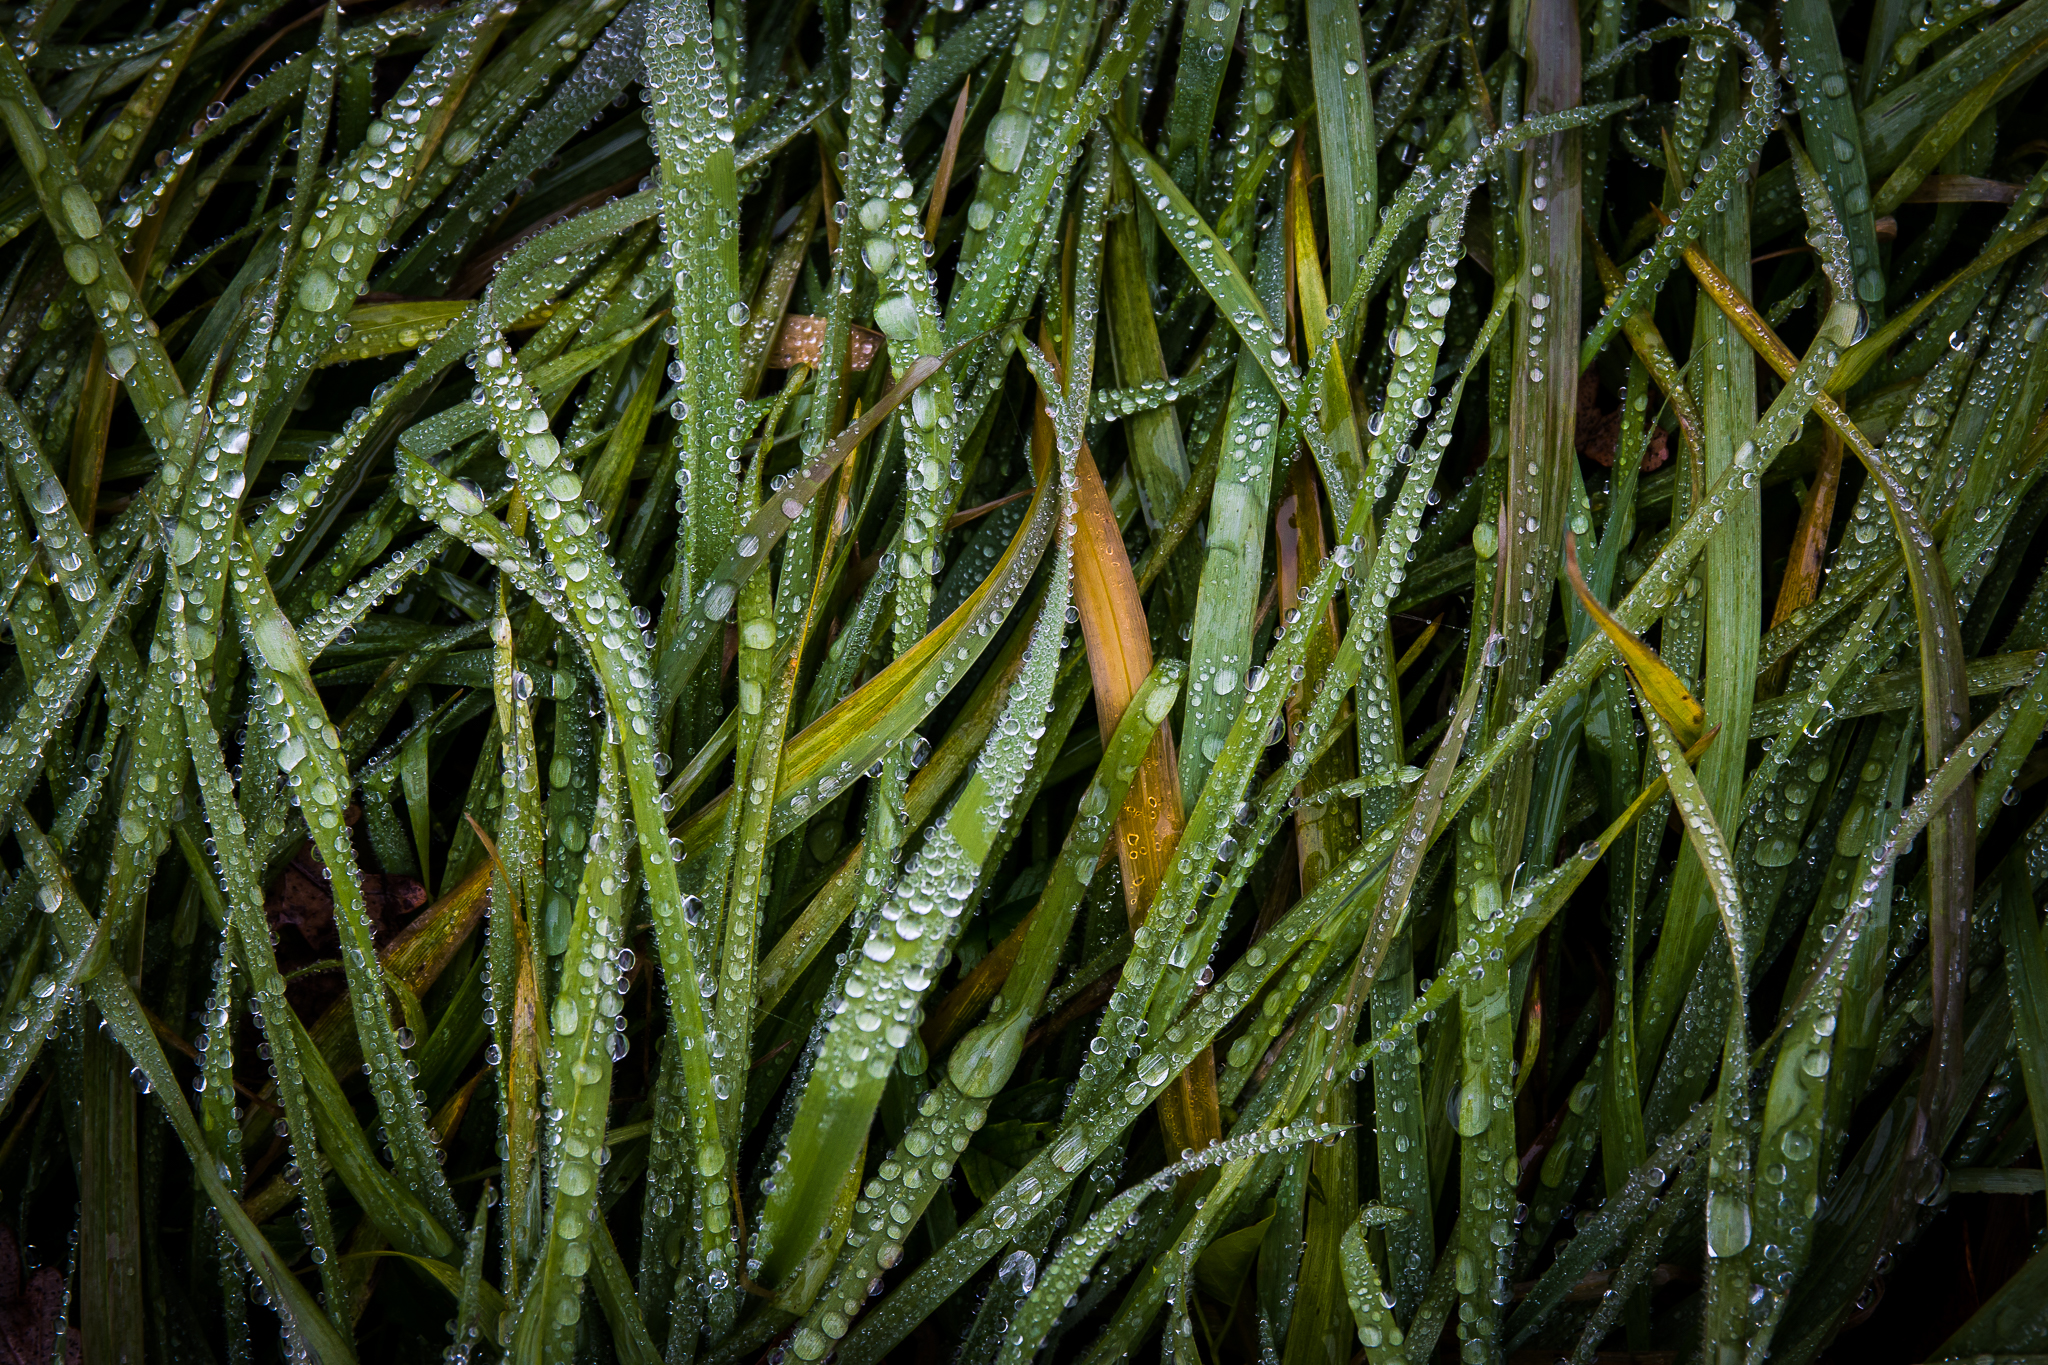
(1300, 683)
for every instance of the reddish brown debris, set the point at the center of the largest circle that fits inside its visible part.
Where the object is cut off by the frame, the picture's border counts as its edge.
(302, 900)
(1598, 428)
(29, 1310)
(800, 338)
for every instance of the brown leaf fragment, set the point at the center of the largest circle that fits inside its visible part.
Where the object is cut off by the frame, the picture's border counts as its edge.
(1598, 428)
(802, 336)
(302, 899)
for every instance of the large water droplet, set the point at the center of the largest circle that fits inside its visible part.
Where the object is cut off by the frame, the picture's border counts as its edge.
(81, 263)
(1020, 1271)
(896, 315)
(318, 291)
(79, 213)
(1009, 135)
(1727, 1224)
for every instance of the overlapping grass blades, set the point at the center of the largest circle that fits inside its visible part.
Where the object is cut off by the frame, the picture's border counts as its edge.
(989, 726)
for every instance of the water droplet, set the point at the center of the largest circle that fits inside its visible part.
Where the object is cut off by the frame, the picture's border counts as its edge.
(464, 497)
(1728, 1227)
(80, 215)
(1776, 851)
(318, 291)
(1020, 1271)
(81, 263)
(1009, 135)
(896, 315)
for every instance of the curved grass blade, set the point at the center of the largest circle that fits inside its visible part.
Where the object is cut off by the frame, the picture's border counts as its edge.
(309, 756)
(1735, 150)
(1944, 693)
(982, 1063)
(246, 919)
(897, 959)
(1831, 123)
